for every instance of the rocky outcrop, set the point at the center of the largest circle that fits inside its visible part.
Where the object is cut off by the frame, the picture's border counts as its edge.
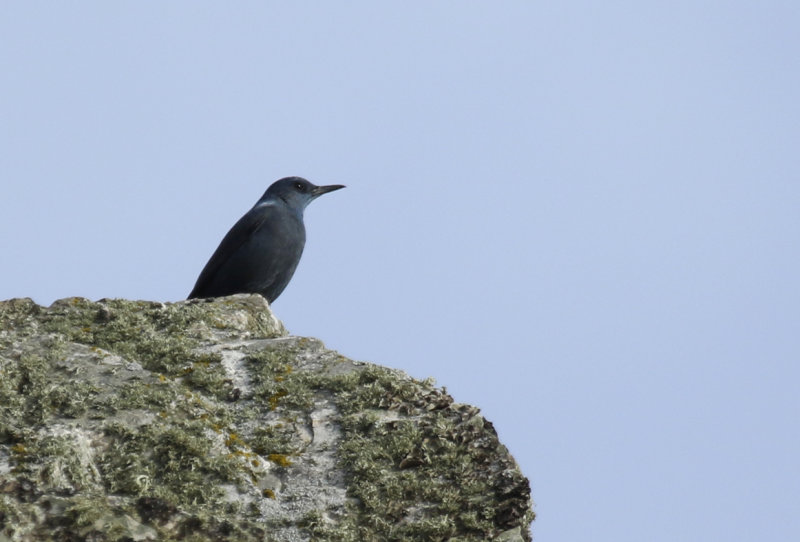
(203, 420)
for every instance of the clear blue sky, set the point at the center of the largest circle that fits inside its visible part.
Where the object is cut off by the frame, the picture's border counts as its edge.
(582, 217)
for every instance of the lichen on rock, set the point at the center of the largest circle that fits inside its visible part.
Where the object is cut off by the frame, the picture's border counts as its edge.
(205, 420)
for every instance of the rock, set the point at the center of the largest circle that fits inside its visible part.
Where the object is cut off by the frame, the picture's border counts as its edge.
(205, 420)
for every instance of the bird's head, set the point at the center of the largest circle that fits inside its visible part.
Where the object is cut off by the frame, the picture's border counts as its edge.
(296, 192)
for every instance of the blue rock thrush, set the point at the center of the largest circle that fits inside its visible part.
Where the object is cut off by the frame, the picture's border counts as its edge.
(262, 250)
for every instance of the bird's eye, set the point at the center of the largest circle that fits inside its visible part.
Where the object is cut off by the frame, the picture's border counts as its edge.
(299, 186)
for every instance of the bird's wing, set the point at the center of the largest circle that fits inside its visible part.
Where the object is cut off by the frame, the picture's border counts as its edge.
(235, 238)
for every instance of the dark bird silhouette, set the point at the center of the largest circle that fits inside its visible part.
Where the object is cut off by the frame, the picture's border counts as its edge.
(262, 250)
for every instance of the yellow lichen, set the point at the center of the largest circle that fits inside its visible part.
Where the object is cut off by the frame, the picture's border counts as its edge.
(273, 399)
(280, 459)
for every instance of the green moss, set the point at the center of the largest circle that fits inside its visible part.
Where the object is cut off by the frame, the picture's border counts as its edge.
(275, 382)
(173, 462)
(17, 313)
(27, 393)
(159, 336)
(276, 438)
(84, 513)
(205, 373)
(152, 395)
(151, 333)
(419, 476)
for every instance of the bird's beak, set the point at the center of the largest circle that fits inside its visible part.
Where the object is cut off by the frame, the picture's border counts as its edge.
(317, 191)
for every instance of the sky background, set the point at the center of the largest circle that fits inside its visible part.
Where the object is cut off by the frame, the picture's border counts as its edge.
(582, 217)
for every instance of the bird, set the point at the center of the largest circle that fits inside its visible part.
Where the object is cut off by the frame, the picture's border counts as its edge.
(261, 251)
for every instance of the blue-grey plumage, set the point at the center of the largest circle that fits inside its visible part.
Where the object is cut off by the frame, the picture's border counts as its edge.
(260, 253)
